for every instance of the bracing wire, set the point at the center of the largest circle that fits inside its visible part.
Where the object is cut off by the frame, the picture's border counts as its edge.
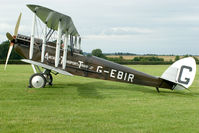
(39, 28)
(42, 28)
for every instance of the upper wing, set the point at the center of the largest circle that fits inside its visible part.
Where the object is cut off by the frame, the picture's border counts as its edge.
(51, 19)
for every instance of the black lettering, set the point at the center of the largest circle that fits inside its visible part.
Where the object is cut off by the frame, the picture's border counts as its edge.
(180, 75)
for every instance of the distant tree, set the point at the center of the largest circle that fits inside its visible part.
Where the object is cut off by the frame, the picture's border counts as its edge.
(191, 56)
(177, 58)
(4, 50)
(187, 56)
(136, 59)
(121, 57)
(98, 53)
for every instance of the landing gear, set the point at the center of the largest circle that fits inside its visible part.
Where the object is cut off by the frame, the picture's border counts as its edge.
(157, 88)
(40, 79)
(49, 79)
(37, 80)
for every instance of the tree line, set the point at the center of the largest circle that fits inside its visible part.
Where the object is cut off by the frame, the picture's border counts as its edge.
(148, 60)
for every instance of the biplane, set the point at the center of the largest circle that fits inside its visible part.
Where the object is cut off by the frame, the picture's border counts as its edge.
(64, 56)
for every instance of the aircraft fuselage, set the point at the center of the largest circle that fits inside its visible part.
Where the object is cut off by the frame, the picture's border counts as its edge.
(88, 65)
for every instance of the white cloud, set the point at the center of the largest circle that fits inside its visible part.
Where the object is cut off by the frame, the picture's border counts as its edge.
(181, 19)
(105, 37)
(5, 27)
(120, 33)
(127, 30)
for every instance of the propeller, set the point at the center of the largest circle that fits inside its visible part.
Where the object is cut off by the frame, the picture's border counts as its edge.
(9, 36)
(12, 38)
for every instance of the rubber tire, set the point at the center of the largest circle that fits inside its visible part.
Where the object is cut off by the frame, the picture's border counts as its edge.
(37, 74)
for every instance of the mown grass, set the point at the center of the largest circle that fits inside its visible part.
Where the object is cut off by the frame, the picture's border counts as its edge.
(78, 104)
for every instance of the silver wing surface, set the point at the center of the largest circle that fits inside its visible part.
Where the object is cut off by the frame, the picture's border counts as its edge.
(46, 67)
(51, 18)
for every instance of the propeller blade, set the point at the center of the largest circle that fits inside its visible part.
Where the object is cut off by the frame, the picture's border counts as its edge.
(8, 56)
(17, 25)
(9, 36)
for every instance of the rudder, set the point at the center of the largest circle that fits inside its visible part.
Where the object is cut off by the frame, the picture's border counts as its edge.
(182, 73)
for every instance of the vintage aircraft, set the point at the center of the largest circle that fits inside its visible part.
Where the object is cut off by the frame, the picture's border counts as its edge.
(65, 57)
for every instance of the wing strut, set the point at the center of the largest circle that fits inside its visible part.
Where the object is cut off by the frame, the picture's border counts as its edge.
(79, 43)
(65, 50)
(57, 55)
(44, 44)
(32, 40)
(75, 43)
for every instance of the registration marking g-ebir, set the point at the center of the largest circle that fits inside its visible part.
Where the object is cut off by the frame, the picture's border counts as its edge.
(118, 74)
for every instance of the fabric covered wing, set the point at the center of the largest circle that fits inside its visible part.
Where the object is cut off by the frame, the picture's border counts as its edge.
(52, 18)
(47, 67)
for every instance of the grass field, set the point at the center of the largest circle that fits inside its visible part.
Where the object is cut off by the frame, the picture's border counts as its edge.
(77, 104)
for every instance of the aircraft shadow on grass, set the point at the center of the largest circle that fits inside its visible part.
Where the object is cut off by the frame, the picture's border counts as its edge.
(90, 90)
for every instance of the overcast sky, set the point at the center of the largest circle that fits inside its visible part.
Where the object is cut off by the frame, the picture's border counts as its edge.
(136, 26)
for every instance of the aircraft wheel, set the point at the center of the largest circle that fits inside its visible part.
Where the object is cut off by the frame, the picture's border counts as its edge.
(37, 80)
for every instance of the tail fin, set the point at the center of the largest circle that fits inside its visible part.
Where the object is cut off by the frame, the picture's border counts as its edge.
(182, 73)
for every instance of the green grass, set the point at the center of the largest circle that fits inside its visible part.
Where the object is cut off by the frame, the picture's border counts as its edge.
(78, 104)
